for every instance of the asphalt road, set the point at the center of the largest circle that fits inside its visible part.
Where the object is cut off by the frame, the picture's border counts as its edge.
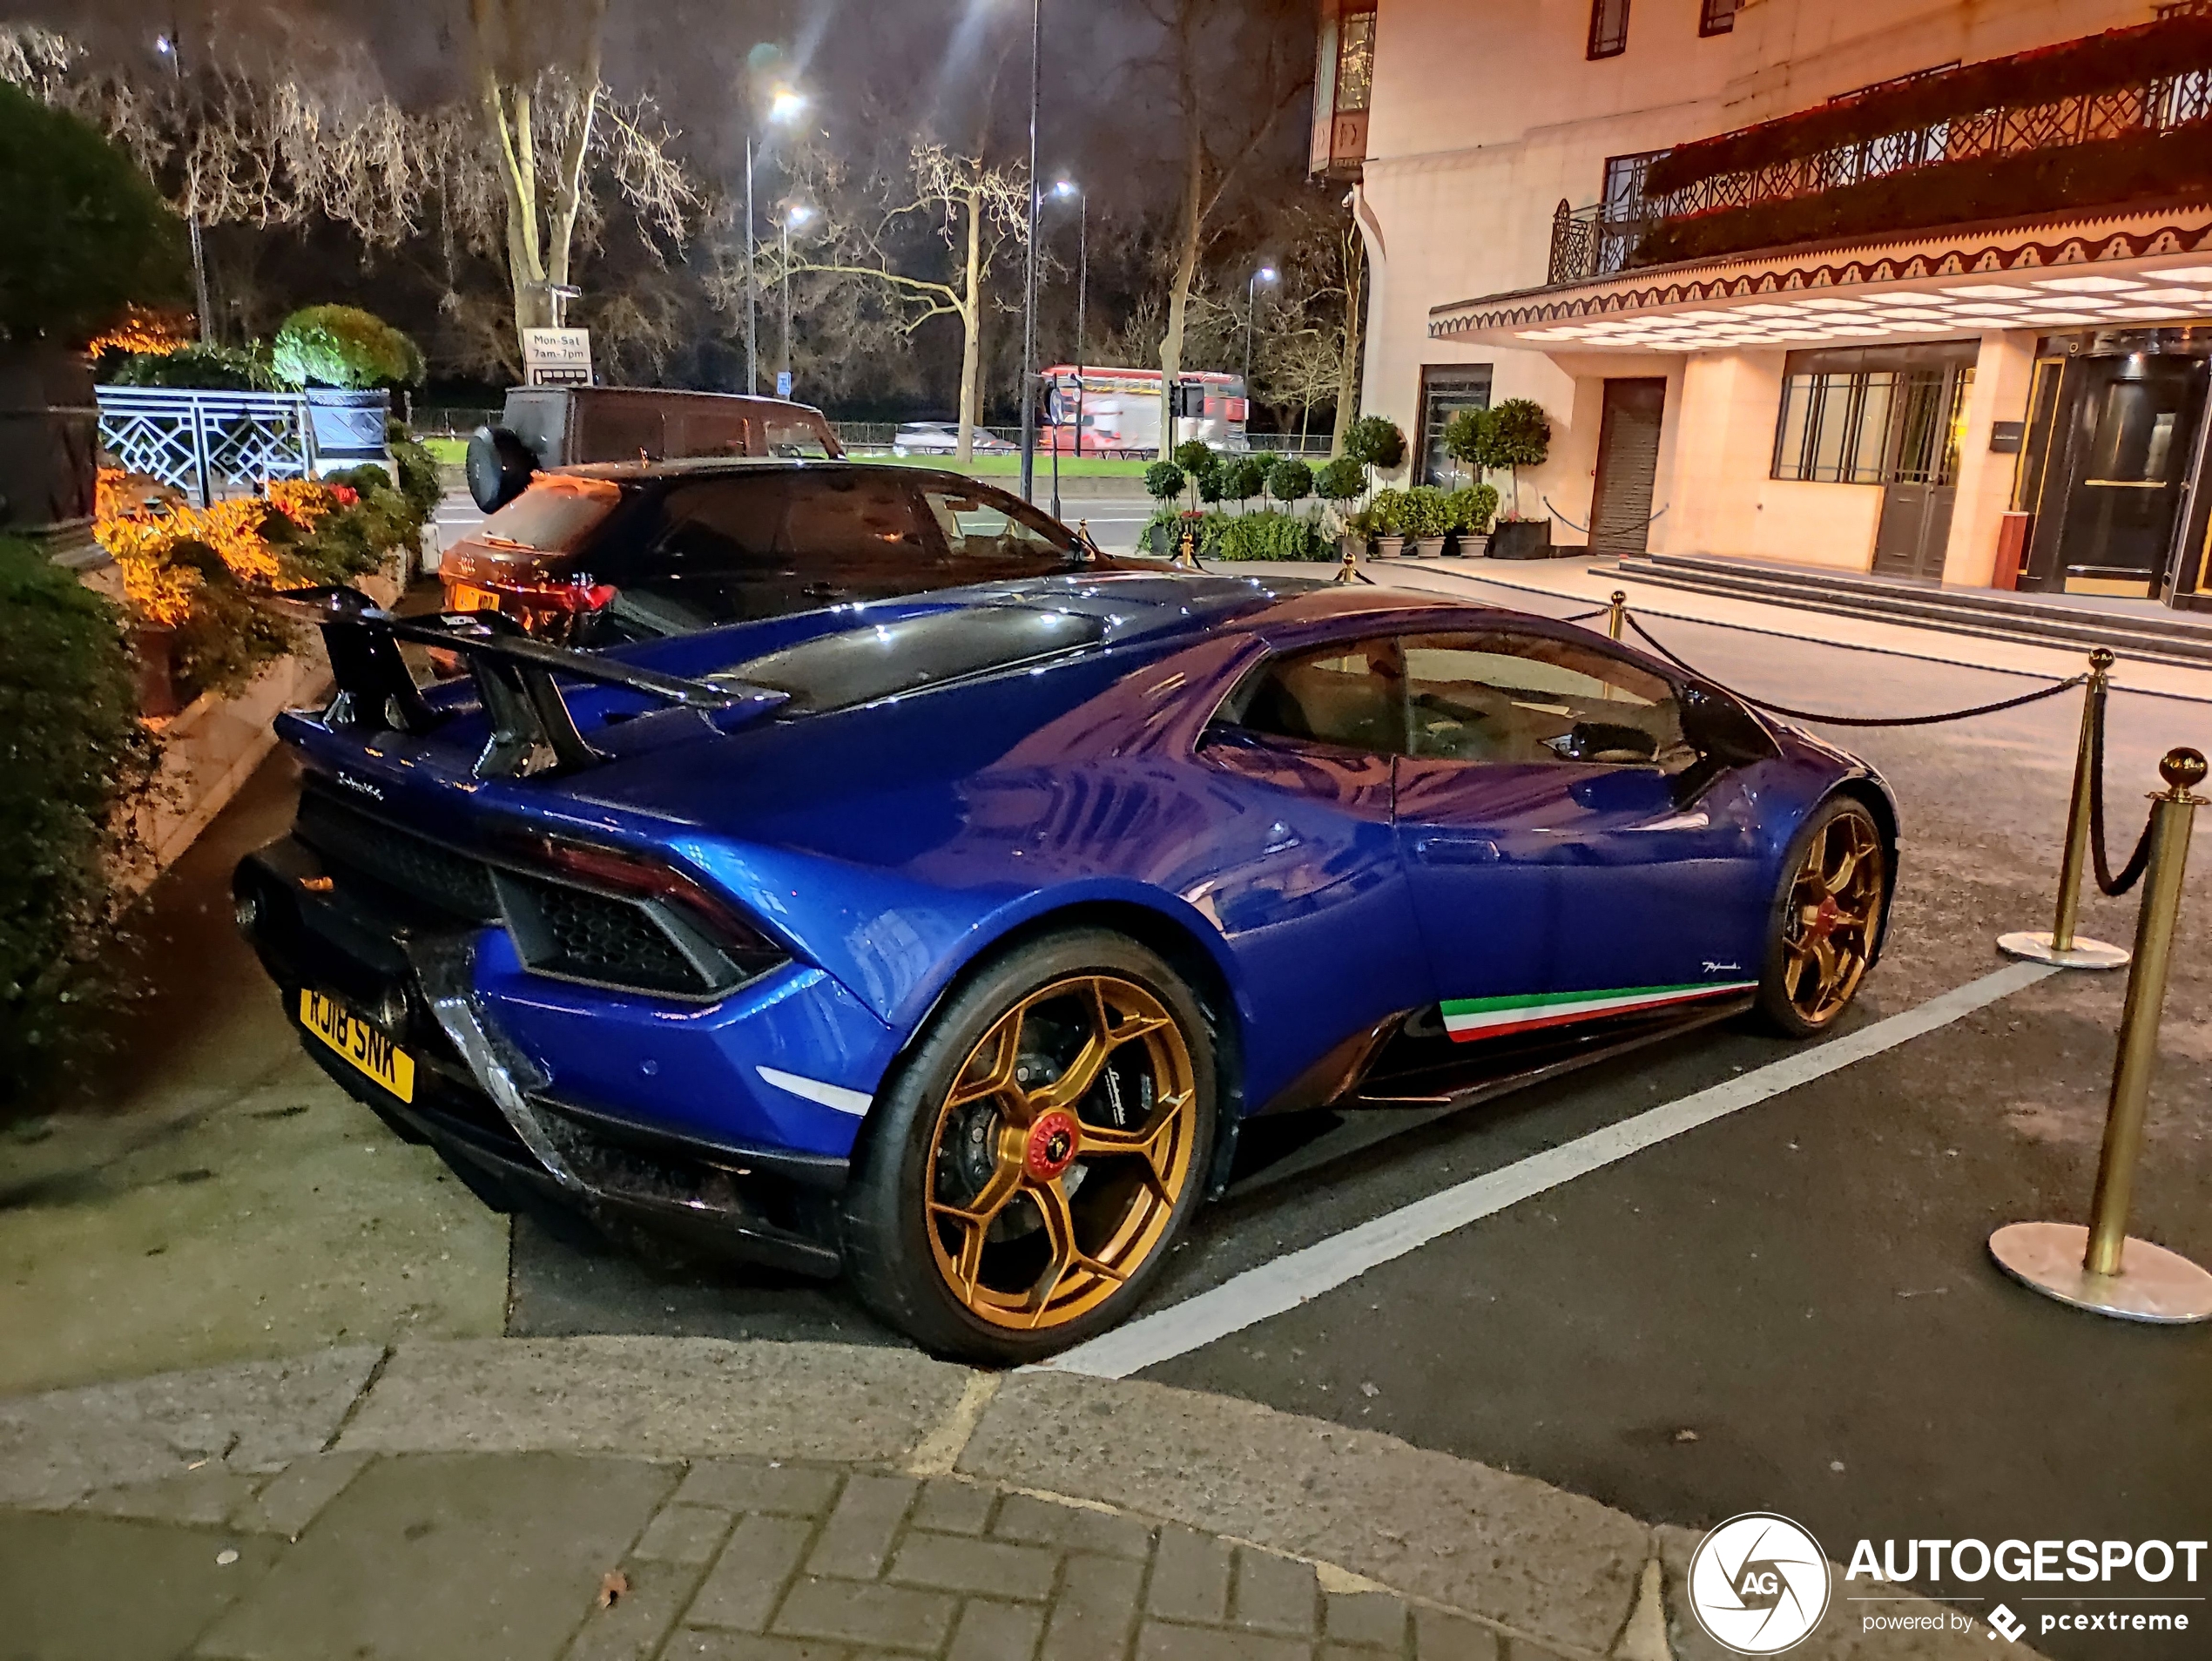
(1791, 1310)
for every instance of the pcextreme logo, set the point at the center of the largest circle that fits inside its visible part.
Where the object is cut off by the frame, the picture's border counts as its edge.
(1758, 1584)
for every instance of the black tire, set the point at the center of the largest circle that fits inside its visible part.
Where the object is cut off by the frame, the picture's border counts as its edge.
(894, 1264)
(1785, 1003)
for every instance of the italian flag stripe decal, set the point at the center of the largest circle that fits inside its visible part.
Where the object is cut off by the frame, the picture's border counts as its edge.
(1466, 1019)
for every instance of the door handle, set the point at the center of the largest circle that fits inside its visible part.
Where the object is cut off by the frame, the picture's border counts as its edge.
(1455, 850)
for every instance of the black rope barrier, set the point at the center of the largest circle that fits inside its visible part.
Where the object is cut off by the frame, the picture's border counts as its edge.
(1584, 617)
(2035, 697)
(2138, 861)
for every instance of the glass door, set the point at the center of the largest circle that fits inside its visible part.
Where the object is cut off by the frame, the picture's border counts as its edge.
(2132, 432)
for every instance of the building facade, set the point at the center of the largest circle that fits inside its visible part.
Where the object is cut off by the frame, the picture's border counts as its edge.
(1916, 287)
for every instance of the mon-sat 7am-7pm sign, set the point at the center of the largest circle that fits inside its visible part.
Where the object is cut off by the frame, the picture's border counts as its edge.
(557, 357)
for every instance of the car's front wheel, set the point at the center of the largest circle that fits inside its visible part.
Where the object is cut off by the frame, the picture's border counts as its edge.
(1038, 1153)
(1826, 919)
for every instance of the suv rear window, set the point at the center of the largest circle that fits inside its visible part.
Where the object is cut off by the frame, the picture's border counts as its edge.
(552, 516)
(860, 666)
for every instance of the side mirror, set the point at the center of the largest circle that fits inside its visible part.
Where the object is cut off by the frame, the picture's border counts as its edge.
(1719, 727)
(500, 467)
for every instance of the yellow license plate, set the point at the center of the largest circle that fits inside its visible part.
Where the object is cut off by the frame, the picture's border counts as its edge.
(462, 596)
(368, 1049)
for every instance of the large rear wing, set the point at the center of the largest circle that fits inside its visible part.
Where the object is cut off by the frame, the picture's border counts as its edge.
(518, 681)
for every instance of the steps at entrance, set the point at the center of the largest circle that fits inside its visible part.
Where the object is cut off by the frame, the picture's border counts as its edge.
(1992, 615)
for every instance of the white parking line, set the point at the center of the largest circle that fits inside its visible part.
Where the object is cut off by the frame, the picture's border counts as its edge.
(1273, 1288)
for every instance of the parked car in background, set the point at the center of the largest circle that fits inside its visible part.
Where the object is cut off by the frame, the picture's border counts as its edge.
(543, 428)
(942, 438)
(629, 551)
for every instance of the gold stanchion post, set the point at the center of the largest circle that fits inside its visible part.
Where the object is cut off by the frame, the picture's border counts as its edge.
(1616, 615)
(1348, 568)
(2099, 1267)
(2063, 946)
(1186, 548)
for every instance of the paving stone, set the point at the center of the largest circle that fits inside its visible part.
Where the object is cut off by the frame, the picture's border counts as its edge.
(683, 1534)
(895, 1618)
(631, 1628)
(757, 1485)
(952, 1507)
(1274, 1594)
(692, 1644)
(1097, 1607)
(203, 1498)
(1160, 1641)
(741, 1588)
(1190, 1574)
(76, 1588)
(856, 1541)
(1374, 1618)
(996, 1633)
(448, 1555)
(1448, 1637)
(296, 1496)
(1021, 1517)
(959, 1564)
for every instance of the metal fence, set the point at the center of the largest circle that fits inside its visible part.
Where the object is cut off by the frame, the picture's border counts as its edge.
(452, 420)
(1590, 242)
(208, 443)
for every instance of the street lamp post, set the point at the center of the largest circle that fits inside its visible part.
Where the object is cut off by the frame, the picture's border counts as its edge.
(783, 109)
(1063, 190)
(1029, 286)
(171, 47)
(797, 213)
(1265, 273)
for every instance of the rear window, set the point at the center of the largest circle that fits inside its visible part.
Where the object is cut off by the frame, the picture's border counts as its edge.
(798, 440)
(552, 516)
(860, 666)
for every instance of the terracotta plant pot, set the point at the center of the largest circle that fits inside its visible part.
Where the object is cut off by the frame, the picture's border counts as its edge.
(1389, 547)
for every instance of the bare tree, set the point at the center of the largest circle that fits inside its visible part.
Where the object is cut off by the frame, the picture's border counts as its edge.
(1231, 74)
(945, 212)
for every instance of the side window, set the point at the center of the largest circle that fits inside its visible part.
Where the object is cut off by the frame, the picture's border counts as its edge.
(863, 515)
(721, 523)
(1507, 699)
(1353, 696)
(983, 525)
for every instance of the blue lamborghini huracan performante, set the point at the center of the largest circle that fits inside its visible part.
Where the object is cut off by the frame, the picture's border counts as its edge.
(949, 942)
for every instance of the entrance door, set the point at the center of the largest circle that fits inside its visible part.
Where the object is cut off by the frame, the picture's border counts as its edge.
(2134, 429)
(1628, 464)
(1920, 464)
(1915, 530)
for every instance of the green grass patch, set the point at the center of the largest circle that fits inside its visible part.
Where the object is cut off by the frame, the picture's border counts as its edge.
(986, 466)
(449, 452)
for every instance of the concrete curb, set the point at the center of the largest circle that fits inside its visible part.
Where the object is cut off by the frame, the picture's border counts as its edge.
(1523, 1557)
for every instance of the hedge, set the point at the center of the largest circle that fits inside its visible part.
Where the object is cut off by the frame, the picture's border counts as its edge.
(71, 749)
(345, 347)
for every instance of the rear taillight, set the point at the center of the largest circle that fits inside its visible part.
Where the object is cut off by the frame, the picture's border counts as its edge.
(531, 600)
(641, 877)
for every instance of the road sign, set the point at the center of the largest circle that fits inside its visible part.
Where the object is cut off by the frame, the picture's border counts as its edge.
(557, 357)
(783, 383)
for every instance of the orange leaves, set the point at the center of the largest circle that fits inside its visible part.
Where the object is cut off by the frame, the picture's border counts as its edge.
(158, 538)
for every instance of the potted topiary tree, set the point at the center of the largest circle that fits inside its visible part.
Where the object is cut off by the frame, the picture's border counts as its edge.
(87, 235)
(349, 362)
(1428, 521)
(1289, 481)
(1389, 513)
(1242, 478)
(1516, 434)
(1473, 507)
(1164, 482)
(1377, 444)
(1342, 480)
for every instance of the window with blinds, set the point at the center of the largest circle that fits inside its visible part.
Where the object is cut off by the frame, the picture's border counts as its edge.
(1608, 28)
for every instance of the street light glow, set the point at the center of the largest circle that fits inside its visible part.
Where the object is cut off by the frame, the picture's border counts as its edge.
(1066, 188)
(786, 106)
(1266, 274)
(161, 44)
(797, 214)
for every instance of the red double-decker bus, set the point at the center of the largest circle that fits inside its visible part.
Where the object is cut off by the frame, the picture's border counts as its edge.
(1104, 411)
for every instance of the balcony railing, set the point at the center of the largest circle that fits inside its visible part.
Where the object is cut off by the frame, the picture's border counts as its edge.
(2099, 122)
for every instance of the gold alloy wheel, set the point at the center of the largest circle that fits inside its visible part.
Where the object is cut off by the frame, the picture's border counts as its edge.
(1829, 926)
(1060, 1153)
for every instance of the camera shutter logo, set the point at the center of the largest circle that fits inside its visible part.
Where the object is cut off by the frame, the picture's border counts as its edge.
(1758, 1584)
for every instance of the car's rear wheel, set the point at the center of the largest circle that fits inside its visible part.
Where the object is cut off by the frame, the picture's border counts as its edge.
(1826, 919)
(1037, 1155)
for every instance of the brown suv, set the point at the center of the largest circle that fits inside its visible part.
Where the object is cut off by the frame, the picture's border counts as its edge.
(543, 427)
(595, 555)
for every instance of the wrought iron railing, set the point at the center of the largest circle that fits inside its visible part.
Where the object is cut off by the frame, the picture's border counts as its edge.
(207, 442)
(2149, 108)
(1589, 242)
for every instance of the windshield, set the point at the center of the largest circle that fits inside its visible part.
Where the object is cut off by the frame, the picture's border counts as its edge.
(860, 666)
(795, 441)
(552, 516)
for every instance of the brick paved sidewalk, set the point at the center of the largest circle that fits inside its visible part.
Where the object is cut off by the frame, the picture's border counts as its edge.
(429, 1556)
